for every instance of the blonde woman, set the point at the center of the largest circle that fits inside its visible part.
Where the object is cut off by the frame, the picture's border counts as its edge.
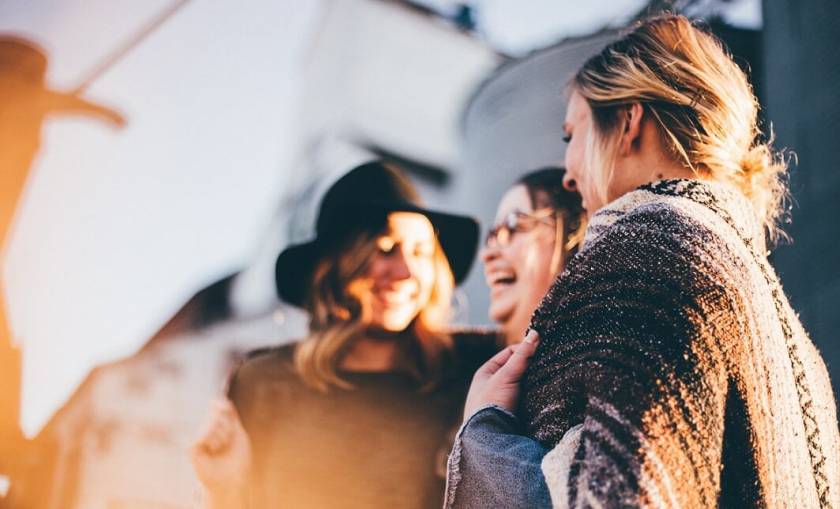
(358, 413)
(670, 369)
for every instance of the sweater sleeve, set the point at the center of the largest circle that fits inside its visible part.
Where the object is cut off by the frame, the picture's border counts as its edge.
(492, 464)
(628, 361)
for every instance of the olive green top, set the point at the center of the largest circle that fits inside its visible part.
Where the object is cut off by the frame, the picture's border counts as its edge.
(382, 444)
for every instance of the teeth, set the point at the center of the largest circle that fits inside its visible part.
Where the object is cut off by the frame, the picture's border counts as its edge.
(502, 278)
(396, 297)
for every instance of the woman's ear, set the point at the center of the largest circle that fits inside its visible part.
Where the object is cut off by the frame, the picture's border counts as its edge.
(632, 127)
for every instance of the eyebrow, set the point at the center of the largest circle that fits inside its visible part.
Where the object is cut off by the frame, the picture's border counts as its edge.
(398, 239)
(504, 216)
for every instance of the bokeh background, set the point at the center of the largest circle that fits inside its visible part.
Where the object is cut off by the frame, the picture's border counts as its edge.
(140, 263)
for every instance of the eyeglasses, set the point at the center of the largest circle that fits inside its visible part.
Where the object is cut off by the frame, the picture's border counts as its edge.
(515, 222)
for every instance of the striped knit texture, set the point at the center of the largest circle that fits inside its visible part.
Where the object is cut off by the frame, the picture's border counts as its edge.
(670, 340)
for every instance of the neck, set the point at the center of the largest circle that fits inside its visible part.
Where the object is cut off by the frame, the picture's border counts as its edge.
(647, 172)
(514, 330)
(670, 171)
(373, 351)
(649, 162)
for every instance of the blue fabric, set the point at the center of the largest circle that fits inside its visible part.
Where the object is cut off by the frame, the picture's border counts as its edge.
(493, 465)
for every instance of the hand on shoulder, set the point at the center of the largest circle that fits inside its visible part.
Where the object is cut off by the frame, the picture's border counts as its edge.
(497, 381)
(221, 455)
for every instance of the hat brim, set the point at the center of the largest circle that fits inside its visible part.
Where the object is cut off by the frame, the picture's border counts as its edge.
(69, 103)
(458, 237)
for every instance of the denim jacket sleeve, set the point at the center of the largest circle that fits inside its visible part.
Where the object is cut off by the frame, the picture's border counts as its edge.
(492, 464)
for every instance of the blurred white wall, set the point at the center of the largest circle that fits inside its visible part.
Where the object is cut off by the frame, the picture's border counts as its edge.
(118, 228)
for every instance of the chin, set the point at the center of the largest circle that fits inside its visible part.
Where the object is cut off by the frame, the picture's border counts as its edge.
(393, 326)
(500, 316)
(397, 322)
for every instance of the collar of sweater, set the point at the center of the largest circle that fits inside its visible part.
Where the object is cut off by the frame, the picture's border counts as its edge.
(716, 201)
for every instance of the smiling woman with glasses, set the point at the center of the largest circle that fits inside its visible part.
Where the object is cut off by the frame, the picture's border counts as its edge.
(537, 230)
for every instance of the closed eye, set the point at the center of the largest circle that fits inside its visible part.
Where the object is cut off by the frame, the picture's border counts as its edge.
(424, 250)
(386, 245)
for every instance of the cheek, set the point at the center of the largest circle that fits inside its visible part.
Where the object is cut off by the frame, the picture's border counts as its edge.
(424, 273)
(568, 159)
(516, 254)
(535, 265)
(572, 155)
(376, 267)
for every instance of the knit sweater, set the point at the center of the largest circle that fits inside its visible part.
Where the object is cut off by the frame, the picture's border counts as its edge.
(672, 371)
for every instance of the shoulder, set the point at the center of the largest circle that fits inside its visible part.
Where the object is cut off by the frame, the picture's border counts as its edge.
(683, 215)
(660, 256)
(677, 218)
(262, 382)
(266, 364)
(475, 345)
(664, 238)
(285, 351)
(665, 218)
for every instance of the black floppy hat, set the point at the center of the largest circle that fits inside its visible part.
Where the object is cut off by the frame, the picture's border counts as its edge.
(23, 69)
(361, 201)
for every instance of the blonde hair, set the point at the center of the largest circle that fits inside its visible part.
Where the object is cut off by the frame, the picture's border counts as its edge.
(701, 100)
(339, 313)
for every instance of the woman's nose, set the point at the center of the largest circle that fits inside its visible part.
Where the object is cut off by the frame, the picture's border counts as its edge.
(569, 183)
(398, 268)
(489, 252)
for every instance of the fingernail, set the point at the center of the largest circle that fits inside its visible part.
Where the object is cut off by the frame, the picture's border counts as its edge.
(531, 337)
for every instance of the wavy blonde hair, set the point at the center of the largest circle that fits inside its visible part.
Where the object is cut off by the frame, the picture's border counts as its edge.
(701, 100)
(339, 314)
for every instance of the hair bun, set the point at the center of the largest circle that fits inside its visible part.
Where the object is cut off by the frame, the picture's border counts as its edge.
(757, 160)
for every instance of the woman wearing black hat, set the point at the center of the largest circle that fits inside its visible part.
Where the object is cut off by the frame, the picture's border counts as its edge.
(357, 414)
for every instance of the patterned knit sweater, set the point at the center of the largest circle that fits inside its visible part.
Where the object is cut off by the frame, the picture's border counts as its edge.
(672, 371)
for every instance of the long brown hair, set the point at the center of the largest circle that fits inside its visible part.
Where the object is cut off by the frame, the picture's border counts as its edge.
(701, 100)
(337, 317)
(545, 189)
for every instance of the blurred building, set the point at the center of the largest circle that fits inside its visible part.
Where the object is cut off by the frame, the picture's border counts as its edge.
(802, 72)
